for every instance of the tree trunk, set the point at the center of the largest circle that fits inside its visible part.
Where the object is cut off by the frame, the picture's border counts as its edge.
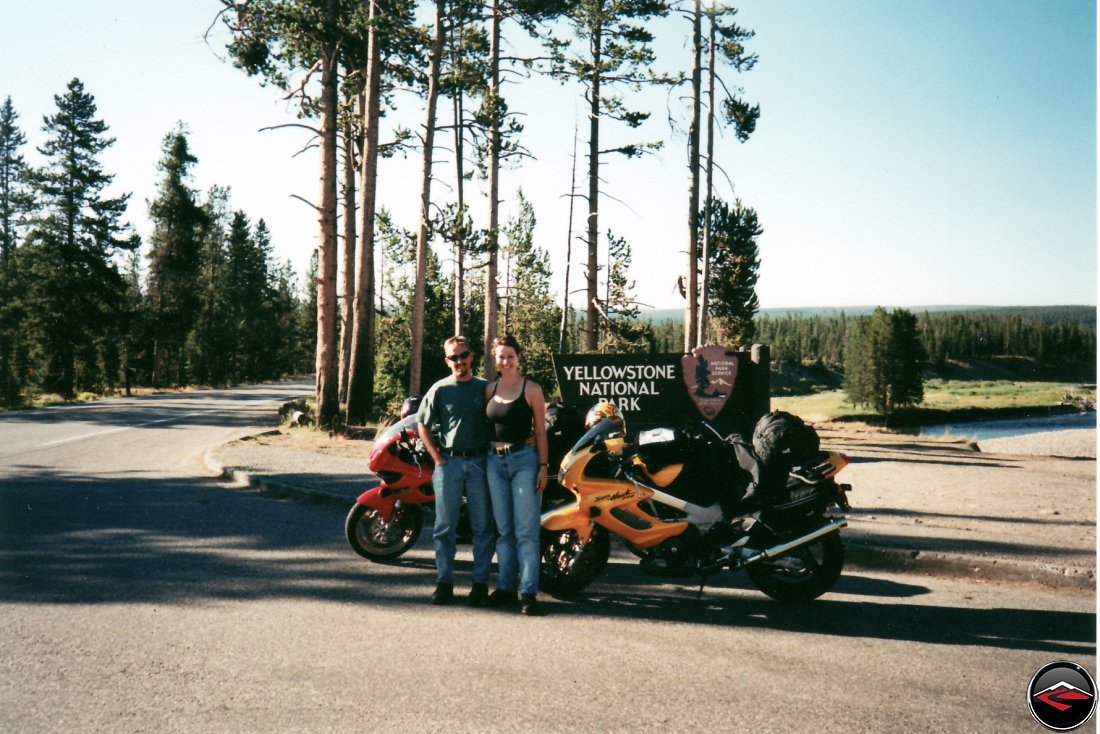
(562, 343)
(347, 282)
(460, 243)
(327, 397)
(494, 194)
(691, 324)
(361, 373)
(704, 294)
(591, 324)
(425, 205)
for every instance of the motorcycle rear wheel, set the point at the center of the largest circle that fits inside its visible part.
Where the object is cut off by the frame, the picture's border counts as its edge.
(804, 574)
(568, 566)
(381, 541)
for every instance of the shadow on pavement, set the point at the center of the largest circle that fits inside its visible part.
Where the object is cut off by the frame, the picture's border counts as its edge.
(69, 539)
(1071, 633)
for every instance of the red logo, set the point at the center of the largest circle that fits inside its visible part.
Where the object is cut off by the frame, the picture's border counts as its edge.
(1062, 696)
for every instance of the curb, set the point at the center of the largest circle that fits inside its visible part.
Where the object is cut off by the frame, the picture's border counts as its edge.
(271, 487)
(857, 554)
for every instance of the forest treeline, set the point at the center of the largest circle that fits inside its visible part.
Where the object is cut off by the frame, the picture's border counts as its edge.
(86, 306)
(357, 73)
(83, 310)
(1047, 335)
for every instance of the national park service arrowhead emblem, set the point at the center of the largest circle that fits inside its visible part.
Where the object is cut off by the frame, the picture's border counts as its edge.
(709, 374)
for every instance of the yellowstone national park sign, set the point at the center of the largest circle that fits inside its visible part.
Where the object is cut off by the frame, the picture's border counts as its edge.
(667, 389)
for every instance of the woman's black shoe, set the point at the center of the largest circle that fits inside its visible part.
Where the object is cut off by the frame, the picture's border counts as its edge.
(443, 593)
(529, 605)
(502, 597)
(479, 595)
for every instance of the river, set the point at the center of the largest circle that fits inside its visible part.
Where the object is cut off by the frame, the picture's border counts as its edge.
(1008, 427)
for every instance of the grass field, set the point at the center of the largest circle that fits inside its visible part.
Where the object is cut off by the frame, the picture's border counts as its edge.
(946, 400)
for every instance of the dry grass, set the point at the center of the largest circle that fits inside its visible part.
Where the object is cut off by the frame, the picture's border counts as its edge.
(942, 398)
(313, 439)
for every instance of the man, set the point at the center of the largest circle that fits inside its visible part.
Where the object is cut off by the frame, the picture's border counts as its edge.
(456, 405)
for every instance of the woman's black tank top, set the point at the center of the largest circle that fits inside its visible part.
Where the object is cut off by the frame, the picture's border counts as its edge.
(510, 422)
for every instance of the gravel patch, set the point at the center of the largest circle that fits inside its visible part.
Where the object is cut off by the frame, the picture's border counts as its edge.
(1073, 443)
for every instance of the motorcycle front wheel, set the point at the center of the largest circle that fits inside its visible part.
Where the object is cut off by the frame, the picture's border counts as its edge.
(568, 565)
(376, 540)
(805, 573)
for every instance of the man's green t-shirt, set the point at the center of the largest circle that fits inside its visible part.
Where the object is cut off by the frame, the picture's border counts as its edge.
(456, 410)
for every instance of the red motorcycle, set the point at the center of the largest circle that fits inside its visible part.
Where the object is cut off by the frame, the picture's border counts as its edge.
(386, 520)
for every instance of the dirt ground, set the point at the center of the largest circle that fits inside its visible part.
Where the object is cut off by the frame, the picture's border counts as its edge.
(1079, 443)
(315, 440)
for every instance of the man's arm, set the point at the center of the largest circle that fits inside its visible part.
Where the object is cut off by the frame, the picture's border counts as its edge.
(429, 443)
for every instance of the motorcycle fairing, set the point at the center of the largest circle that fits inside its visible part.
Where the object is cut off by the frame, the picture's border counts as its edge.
(611, 501)
(406, 473)
(383, 498)
(569, 517)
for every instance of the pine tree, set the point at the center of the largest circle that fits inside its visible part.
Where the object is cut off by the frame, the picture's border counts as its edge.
(249, 299)
(532, 316)
(16, 200)
(175, 259)
(275, 39)
(395, 323)
(732, 272)
(726, 43)
(16, 204)
(74, 295)
(614, 52)
(212, 340)
(622, 332)
(883, 361)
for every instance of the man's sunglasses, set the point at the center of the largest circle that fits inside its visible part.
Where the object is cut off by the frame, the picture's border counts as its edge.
(458, 357)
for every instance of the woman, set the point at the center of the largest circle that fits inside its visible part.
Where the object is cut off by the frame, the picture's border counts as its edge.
(517, 471)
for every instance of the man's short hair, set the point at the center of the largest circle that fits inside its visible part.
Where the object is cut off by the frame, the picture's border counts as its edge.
(454, 340)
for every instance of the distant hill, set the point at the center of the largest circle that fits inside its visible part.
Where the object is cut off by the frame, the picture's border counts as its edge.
(1048, 314)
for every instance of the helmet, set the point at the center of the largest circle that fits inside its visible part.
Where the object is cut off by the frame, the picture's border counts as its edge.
(601, 410)
(410, 406)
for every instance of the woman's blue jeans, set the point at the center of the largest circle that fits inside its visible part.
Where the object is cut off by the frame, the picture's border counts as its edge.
(450, 480)
(517, 510)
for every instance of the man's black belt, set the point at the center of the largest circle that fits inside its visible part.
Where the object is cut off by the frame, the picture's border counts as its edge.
(463, 454)
(505, 450)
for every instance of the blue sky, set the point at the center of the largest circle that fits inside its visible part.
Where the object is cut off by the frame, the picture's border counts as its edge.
(907, 154)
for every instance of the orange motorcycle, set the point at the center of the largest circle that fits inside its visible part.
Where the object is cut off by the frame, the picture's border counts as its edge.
(690, 502)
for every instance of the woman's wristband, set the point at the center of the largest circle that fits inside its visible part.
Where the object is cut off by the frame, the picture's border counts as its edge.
(544, 464)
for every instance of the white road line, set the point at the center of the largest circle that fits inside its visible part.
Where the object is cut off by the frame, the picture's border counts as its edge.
(109, 431)
(73, 439)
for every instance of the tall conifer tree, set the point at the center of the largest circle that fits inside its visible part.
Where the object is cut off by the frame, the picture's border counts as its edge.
(16, 202)
(613, 52)
(74, 291)
(733, 269)
(175, 259)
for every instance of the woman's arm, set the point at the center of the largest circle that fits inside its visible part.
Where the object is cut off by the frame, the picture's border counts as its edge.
(538, 407)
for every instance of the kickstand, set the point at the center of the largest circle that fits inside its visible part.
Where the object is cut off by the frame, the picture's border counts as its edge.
(699, 596)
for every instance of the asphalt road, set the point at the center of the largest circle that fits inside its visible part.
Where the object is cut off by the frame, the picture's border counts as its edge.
(139, 594)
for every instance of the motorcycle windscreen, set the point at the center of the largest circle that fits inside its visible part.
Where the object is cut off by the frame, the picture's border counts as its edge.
(602, 430)
(396, 429)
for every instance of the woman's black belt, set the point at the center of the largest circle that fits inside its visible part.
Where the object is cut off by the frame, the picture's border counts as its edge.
(463, 454)
(505, 450)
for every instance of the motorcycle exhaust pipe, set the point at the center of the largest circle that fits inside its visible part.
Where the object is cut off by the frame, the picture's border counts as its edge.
(832, 526)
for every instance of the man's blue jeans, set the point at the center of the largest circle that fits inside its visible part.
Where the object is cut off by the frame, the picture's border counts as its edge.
(517, 508)
(449, 480)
